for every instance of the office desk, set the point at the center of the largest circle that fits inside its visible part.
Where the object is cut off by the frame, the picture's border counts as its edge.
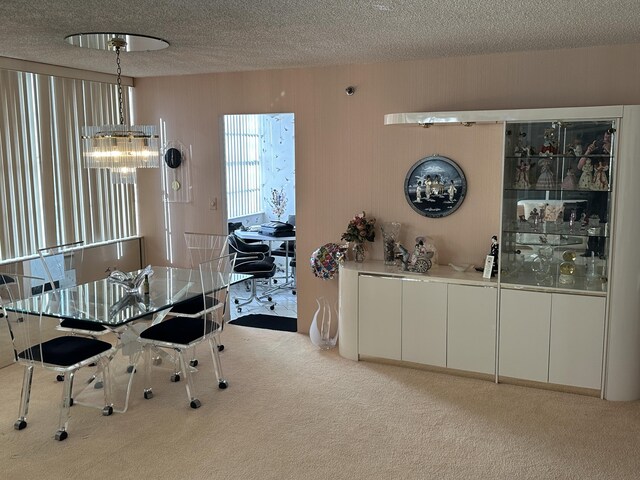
(108, 304)
(251, 235)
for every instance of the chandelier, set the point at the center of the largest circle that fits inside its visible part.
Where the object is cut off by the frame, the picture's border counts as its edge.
(120, 148)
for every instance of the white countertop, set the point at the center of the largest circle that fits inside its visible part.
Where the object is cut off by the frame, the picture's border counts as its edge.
(437, 273)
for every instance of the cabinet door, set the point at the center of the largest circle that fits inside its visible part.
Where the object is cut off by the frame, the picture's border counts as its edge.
(577, 338)
(379, 316)
(471, 339)
(524, 335)
(424, 322)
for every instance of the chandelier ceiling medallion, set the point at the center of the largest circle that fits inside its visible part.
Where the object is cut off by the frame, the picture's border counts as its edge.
(120, 148)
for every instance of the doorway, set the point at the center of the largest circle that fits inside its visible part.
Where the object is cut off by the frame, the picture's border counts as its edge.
(259, 181)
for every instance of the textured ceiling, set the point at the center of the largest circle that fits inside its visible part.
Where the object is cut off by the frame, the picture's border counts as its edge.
(236, 35)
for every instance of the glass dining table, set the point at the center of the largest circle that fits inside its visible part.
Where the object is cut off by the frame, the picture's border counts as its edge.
(125, 314)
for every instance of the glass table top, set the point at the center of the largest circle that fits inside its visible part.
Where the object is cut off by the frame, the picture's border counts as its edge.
(108, 304)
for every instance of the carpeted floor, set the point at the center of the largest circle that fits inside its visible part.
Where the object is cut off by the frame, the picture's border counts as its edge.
(269, 322)
(295, 412)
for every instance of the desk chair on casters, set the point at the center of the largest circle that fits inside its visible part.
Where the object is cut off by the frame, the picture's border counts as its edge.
(59, 263)
(253, 259)
(35, 344)
(182, 333)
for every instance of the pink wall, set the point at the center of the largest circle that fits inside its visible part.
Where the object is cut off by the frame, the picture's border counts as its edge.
(348, 161)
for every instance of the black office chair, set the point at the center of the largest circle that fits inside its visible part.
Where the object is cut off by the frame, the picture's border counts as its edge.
(287, 250)
(253, 259)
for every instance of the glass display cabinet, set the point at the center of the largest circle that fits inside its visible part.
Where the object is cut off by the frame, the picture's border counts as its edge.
(557, 195)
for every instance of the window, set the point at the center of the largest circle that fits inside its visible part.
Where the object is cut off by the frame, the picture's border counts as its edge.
(244, 175)
(47, 195)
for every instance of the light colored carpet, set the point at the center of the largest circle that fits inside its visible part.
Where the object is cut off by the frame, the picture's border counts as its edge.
(294, 412)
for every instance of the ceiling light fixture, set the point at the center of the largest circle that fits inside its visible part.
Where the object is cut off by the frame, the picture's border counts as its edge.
(121, 148)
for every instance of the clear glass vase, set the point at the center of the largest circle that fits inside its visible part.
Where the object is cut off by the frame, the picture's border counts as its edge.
(358, 252)
(324, 325)
(390, 235)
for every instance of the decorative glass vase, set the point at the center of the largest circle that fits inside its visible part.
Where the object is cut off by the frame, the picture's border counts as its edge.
(390, 235)
(322, 326)
(358, 252)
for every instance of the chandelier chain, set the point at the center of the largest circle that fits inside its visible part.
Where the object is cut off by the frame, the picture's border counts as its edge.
(119, 71)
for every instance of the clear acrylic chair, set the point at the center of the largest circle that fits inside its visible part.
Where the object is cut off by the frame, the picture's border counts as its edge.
(182, 333)
(59, 265)
(38, 343)
(202, 247)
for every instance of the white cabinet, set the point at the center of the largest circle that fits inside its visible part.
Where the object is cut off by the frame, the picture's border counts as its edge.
(424, 322)
(577, 339)
(524, 334)
(422, 319)
(471, 338)
(379, 316)
(552, 337)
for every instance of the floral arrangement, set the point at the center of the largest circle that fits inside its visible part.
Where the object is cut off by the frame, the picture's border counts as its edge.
(360, 228)
(278, 202)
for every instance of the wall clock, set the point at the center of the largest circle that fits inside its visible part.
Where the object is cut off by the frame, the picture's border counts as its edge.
(173, 157)
(176, 173)
(435, 186)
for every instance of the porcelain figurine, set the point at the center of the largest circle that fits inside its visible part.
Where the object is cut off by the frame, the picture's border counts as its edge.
(569, 182)
(546, 180)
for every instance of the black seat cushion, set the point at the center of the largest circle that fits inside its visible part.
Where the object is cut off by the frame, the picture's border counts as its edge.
(259, 269)
(179, 330)
(82, 325)
(194, 305)
(66, 351)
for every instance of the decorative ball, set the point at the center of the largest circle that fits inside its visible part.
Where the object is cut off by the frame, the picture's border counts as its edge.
(326, 260)
(567, 268)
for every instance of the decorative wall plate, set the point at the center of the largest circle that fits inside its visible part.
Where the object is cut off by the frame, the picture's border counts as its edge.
(435, 186)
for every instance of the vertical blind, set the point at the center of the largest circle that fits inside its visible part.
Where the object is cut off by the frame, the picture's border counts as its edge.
(242, 161)
(47, 196)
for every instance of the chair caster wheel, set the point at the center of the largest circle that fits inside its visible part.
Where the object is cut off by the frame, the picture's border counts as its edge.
(20, 424)
(107, 411)
(220, 348)
(269, 299)
(272, 307)
(239, 309)
(236, 301)
(131, 369)
(61, 435)
(275, 281)
(60, 378)
(157, 361)
(148, 394)
(195, 403)
(222, 384)
(293, 292)
(98, 385)
(194, 362)
(175, 377)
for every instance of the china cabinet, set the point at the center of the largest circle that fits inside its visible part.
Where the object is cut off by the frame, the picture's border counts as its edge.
(556, 205)
(563, 309)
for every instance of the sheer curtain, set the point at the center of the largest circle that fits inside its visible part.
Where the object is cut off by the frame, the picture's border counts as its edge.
(47, 195)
